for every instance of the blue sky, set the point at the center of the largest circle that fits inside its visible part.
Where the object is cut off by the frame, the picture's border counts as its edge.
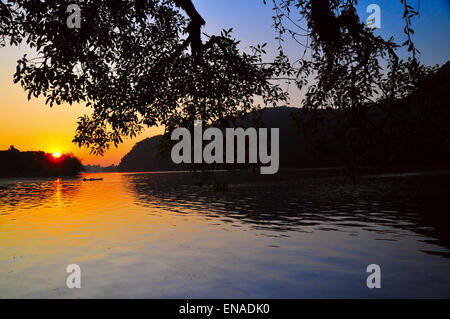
(252, 23)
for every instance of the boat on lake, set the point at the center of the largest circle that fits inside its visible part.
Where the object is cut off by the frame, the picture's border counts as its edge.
(92, 179)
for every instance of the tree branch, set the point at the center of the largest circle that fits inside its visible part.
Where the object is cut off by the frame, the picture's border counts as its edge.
(194, 28)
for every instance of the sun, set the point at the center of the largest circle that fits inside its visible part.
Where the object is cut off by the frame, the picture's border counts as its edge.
(56, 154)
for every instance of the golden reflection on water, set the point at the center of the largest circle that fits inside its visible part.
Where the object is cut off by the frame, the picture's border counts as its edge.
(143, 235)
(58, 191)
(48, 225)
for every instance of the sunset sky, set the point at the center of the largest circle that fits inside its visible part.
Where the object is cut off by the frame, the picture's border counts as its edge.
(31, 125)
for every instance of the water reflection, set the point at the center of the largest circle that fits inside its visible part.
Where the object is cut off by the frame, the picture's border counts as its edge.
(36, 193)
(417, 205)
(160, 235)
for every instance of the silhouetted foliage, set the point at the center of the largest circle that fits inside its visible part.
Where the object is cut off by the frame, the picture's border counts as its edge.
(346, 67)
(14, 163)
(144, 63)
(411, 130)
(341, 52)
(136, 64)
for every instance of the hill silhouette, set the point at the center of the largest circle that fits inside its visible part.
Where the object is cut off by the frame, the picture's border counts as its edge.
(413, 132)
(146, 155)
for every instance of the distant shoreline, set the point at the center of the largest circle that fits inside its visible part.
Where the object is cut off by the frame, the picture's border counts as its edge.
(358, 170)
(223, 177)
(283, 174)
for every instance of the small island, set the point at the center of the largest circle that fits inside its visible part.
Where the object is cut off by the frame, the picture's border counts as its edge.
(14, 163)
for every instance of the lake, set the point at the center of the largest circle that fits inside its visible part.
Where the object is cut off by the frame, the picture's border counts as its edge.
(160, 236)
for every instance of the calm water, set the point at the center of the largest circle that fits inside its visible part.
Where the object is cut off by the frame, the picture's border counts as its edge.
(157, 236)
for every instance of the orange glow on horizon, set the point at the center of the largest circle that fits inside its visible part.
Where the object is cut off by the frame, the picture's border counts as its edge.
(31, 125)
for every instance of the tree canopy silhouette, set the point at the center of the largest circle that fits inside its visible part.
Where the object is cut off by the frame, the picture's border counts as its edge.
(140, 63)
(345, 66)
(348, 61)
(135, 63)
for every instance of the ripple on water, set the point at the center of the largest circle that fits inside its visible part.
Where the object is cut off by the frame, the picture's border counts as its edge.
(134, 232)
